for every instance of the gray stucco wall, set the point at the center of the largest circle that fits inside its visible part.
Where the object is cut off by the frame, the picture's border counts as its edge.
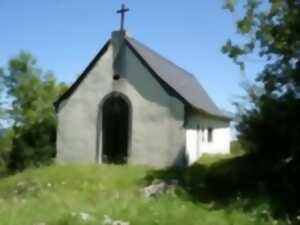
(157, 133)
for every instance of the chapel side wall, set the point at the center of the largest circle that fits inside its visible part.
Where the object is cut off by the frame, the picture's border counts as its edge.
(197, 143)
(78, 115)
(158, 135)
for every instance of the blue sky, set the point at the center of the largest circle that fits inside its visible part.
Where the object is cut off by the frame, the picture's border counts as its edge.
(64, 35)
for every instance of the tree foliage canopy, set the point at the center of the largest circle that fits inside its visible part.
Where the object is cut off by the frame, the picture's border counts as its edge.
(271, 127)
(273, 30)
(31, 93)
(269, 123)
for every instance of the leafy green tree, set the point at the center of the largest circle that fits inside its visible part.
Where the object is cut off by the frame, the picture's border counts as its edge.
(2, 111)
(31, 92)
(269, 122)
(270, 127)
(6, 136)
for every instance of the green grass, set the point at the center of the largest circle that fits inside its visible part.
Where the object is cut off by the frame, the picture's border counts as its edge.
(56, 195)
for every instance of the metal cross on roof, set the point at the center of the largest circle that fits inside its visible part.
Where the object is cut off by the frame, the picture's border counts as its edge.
(122, 11)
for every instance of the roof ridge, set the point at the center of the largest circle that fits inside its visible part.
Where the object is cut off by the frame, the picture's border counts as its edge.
(186, 85)
(164, 57)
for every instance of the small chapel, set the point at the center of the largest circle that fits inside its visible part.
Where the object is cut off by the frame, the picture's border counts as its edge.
(133, 106)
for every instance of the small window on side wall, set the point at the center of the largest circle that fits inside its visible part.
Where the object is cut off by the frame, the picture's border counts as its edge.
(209, 134)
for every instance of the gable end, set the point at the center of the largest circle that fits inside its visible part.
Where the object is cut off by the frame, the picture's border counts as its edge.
(74, 86)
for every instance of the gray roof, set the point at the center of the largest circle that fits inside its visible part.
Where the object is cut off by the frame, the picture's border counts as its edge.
(183, 82)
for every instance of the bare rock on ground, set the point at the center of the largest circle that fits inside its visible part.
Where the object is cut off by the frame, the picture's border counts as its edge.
(109, 221)
(158, 187)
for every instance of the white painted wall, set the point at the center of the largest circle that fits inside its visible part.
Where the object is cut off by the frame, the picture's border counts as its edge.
(197, 142)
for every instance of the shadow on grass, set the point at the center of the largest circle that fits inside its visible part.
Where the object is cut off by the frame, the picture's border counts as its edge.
(245, 181)
(4, 173)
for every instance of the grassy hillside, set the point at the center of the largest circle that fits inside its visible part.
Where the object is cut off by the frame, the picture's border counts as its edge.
(73, 195)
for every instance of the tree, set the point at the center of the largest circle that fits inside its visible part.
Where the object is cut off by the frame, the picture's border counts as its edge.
(271, 126)
(269, 123)
(2, 111)
(32, 93)
(275, 33)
